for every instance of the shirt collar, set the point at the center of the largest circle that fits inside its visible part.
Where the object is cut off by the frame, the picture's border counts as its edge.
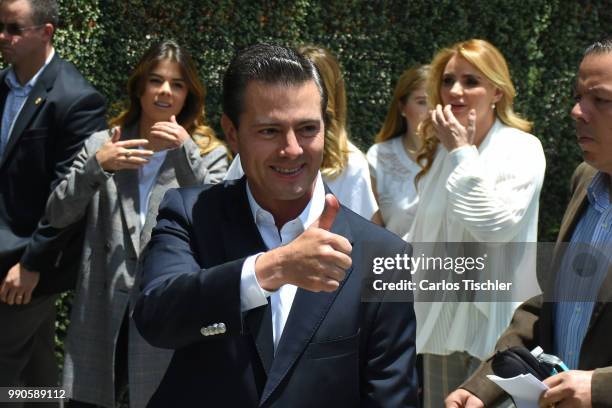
(13, 83)
(599, 192)
(310, 214)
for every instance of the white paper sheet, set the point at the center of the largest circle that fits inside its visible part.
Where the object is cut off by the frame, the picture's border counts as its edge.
(525, 389)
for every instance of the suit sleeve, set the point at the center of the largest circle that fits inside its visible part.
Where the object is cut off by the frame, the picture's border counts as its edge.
(390, 378)
(178, 297)
(192, 168)
(84, 116)
(521, 332)
(69, 200)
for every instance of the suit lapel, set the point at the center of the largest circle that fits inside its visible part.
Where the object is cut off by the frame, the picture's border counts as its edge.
(35, 101)
(129, 196)
(238, 222)
(307, 312)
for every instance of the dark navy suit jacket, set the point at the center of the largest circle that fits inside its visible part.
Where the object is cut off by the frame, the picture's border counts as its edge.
(62, 110)
(335, 351)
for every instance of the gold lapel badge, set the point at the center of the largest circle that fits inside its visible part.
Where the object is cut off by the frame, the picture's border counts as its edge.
(38, 101)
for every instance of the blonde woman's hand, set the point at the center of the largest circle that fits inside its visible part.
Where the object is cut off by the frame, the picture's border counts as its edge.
(167, 135)
(118, 154)
(450, 132)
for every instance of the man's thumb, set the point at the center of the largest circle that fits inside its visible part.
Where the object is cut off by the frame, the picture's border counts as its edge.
(330, 210)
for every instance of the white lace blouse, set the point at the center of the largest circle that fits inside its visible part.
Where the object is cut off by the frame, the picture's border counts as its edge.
(394, 172)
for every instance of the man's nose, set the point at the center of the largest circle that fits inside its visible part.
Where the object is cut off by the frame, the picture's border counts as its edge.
(292, 147)
(578, 112)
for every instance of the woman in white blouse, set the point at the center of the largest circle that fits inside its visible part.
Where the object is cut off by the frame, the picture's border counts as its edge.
(117, 182)
(344, 168)
(392, 158)
(481, 182)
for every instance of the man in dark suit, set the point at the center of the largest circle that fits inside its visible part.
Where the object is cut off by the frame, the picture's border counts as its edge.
(256, 283)
(577, 327)
(48, 109)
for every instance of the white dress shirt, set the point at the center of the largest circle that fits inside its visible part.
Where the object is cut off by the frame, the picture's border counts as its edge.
(251, 293)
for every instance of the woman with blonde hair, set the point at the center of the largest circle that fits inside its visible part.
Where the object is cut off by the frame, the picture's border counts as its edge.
(393, 165)
(117, 181)
(480, 183)
(344, 168)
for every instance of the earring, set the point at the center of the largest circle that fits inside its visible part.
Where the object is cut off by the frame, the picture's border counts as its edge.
(403, 114)
(493, 106)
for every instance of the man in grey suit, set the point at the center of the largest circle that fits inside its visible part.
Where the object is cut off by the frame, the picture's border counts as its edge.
(48, 109)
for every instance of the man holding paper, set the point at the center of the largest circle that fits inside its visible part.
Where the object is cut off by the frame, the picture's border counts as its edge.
(577, 331)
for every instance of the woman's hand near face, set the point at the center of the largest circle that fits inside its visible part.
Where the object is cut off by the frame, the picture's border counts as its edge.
(450, 132)
(119, 154)
(167, 135)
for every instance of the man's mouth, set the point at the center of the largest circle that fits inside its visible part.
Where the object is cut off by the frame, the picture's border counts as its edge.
(286, 170)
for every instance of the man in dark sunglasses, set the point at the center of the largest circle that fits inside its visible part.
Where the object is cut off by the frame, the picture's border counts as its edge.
(47, 110)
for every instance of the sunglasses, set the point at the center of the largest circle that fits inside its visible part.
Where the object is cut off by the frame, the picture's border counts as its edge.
(15, 29)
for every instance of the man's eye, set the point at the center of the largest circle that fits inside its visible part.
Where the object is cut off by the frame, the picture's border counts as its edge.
(267, 132)
(310, 130)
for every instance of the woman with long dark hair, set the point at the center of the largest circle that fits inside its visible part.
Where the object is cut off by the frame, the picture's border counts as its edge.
(117, 181)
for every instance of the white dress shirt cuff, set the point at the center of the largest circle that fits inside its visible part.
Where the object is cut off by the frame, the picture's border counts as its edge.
(252, 295)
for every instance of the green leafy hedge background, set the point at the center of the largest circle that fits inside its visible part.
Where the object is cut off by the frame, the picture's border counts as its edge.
(374, 41)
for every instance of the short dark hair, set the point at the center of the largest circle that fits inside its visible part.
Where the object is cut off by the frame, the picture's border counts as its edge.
(45, 11)
(599, 47)
(270, 64)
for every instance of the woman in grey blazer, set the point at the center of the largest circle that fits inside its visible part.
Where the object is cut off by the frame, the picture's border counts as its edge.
(117, 182)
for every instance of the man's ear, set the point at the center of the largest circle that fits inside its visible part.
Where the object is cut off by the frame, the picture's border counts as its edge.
(49, 29)
(230, 132)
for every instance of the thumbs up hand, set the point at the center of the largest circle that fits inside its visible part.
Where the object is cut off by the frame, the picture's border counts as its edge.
(328, 216)
(316, 260)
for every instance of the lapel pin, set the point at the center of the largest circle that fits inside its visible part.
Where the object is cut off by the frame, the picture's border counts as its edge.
(38, 101)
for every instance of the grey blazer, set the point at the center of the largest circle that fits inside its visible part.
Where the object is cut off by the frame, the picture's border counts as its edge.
(109, 276)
